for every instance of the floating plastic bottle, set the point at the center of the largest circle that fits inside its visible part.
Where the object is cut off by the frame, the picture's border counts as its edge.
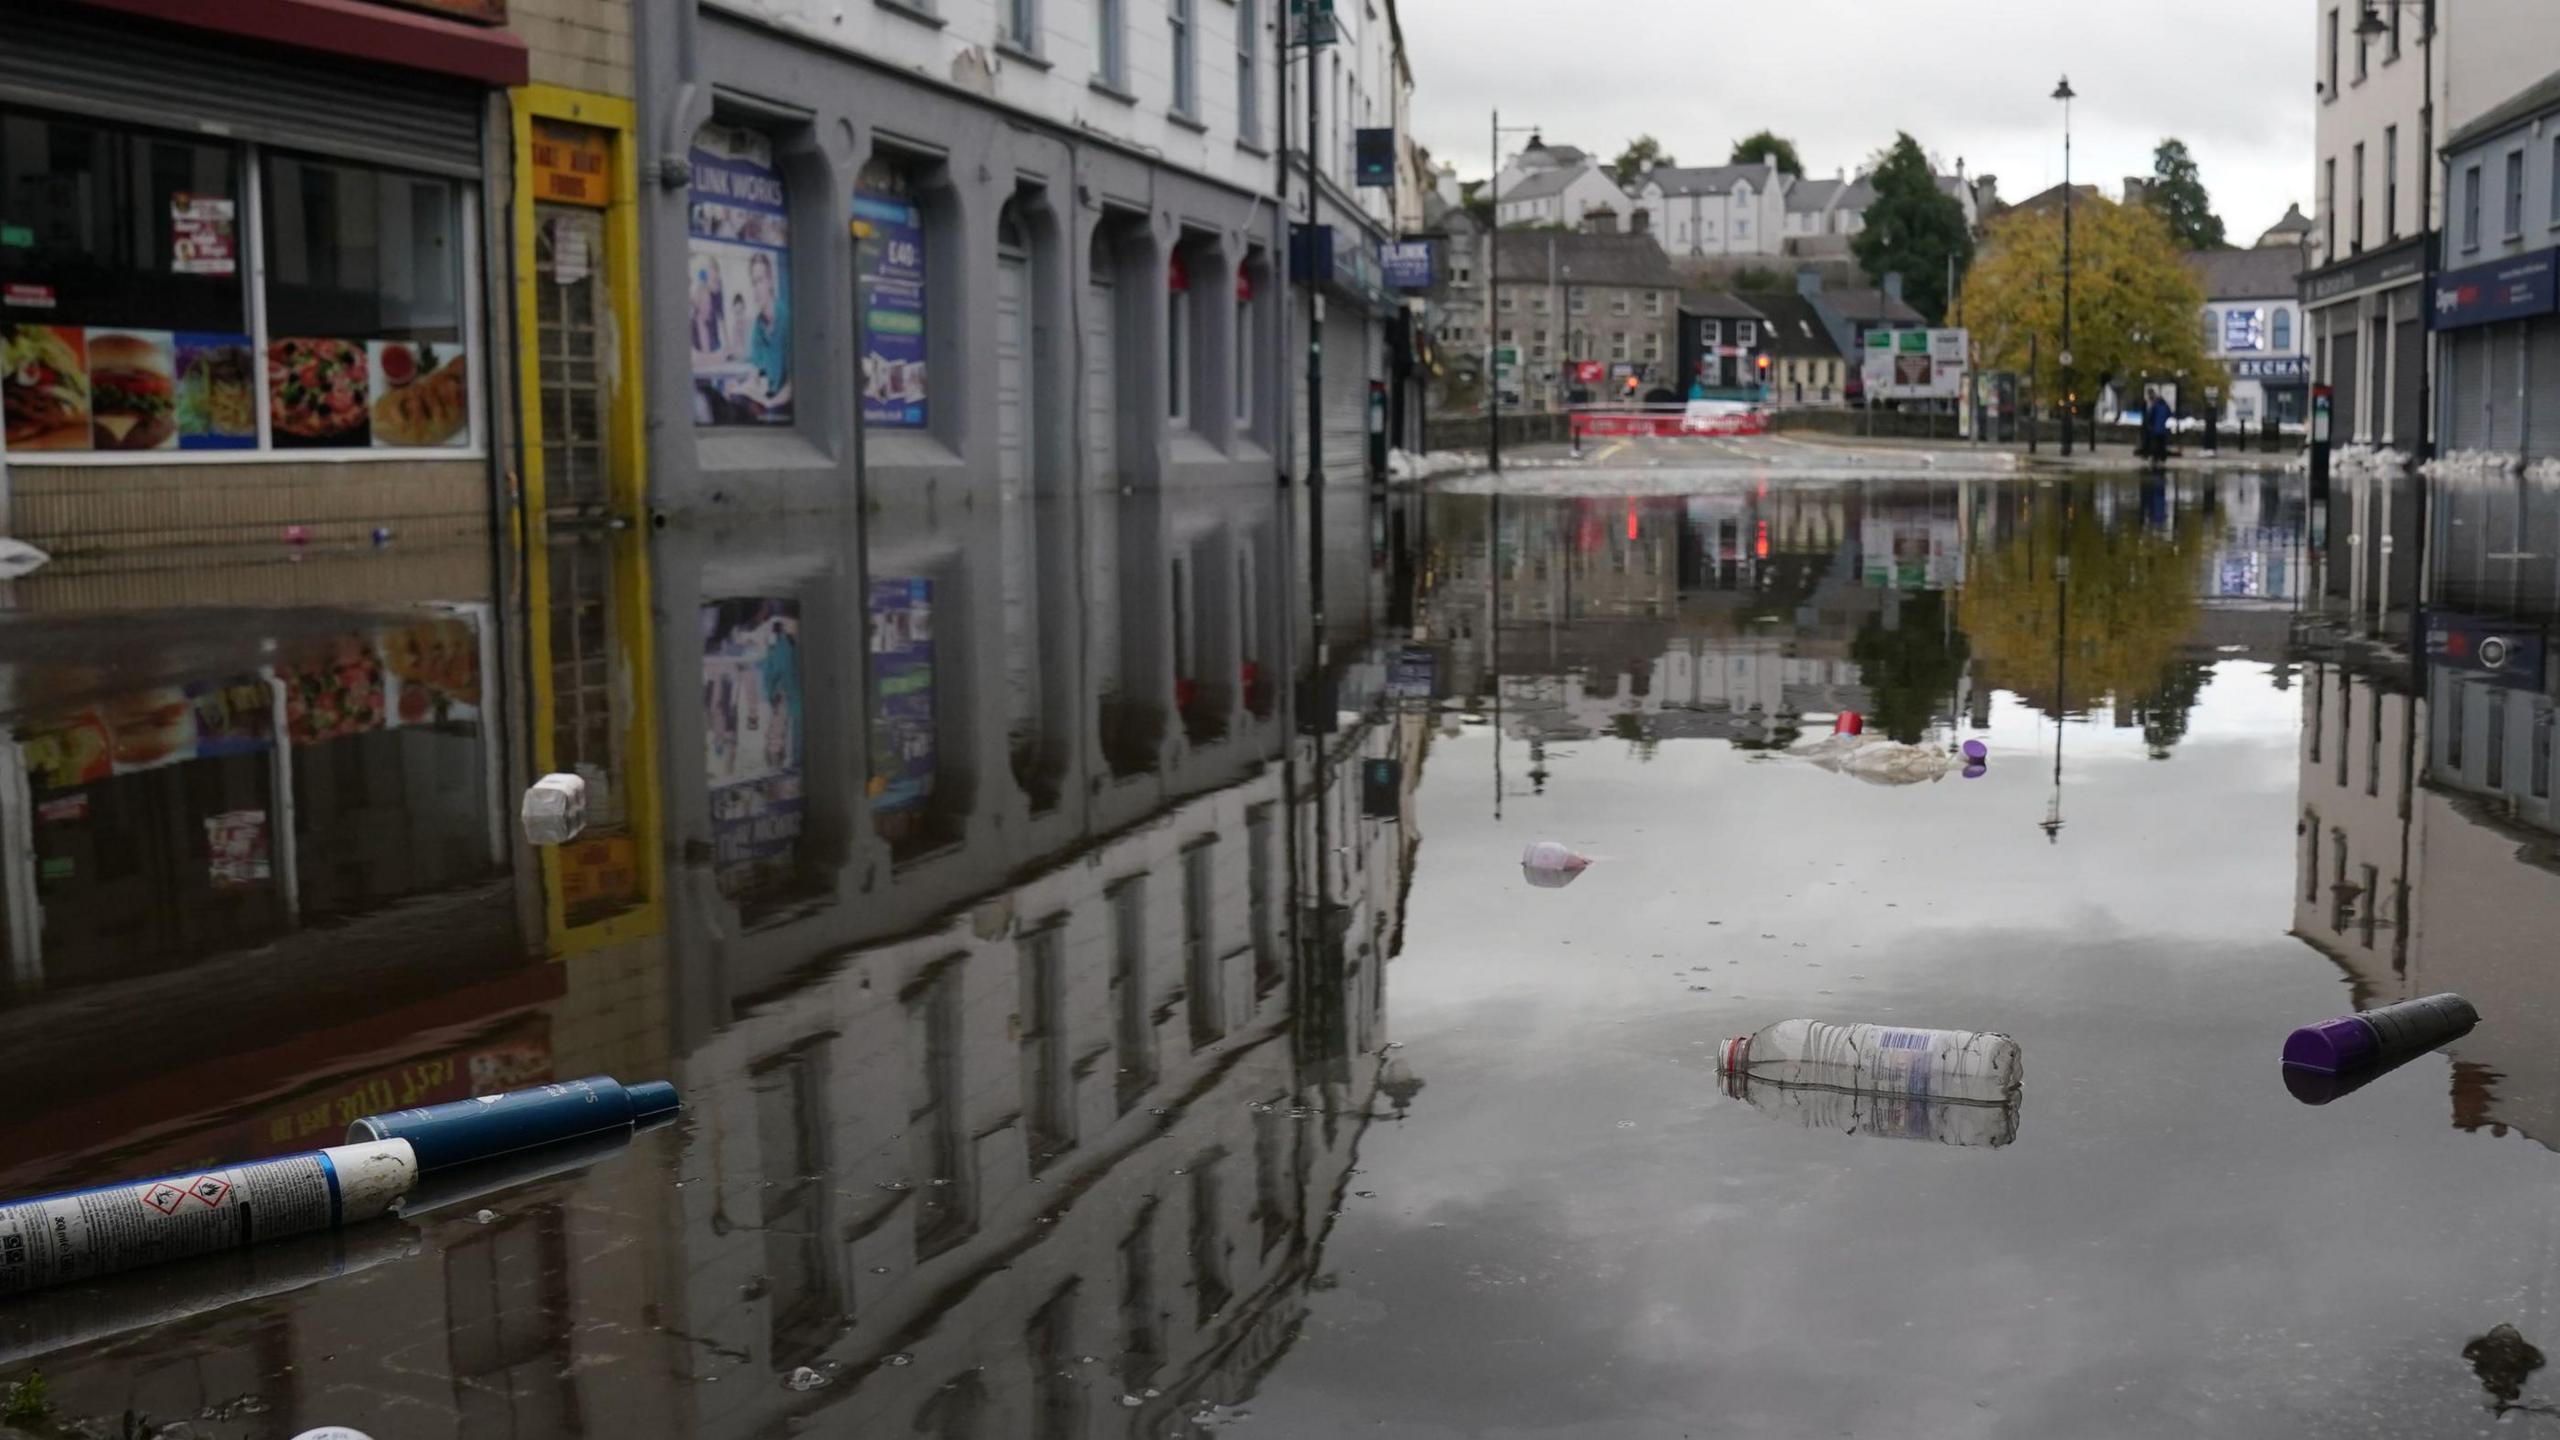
(2380, 1039)
(1891, 1117)
(1550, 865)
(1849, 723)
(463, 1132)
(1977, 1067)
(80, 1233)
(555, 809)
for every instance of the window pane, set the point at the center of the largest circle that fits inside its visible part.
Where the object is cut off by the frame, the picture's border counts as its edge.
(122, 261)
(364, 306)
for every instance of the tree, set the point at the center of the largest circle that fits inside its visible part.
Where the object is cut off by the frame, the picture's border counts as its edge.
(2136, 307)
(2113, 629)
(1913, 228)
(1476, 200)
(1628, 168)
(1763, 146)
(1912, 670)
(2178, 194)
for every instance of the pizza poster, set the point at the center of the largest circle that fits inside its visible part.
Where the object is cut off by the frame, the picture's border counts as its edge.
(738, 280)
(902, 722)
(888, 248)
(752, 738)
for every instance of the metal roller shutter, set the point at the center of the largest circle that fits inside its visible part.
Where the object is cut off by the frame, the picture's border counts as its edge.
(1347, 366)
(2506, 388)
(2344, 379)
(2465, 382)
(2408, 345)
(57, 57)
(2542, 389)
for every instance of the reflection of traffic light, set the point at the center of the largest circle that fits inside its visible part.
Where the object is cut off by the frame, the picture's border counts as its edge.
(1763, 363)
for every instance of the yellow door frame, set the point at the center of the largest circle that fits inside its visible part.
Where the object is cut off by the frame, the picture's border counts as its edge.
(627, 436)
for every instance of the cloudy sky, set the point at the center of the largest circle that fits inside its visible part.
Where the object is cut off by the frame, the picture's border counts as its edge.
(1973, 79)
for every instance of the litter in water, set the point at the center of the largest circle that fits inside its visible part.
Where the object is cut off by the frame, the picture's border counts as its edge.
(1549, 865)
(1977, 1067)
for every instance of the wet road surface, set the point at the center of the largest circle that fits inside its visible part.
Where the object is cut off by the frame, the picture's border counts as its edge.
(1194, 1075)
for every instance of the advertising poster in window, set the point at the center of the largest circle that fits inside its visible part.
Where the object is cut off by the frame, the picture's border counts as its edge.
(902, 734)
(318, 391)
(201, 235)
(888, 251)
(752, 738)
(2244, 330)
(738, 273)
(420, 394)
(216, 407)
(44, 387)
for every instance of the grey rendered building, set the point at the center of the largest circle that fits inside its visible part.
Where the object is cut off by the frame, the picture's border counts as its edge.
(1573, 300)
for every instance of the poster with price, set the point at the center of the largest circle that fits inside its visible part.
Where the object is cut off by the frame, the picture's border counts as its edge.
(888, 249)
(902, 735)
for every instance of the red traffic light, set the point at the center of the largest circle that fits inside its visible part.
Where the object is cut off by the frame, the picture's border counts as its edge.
(1764, 362)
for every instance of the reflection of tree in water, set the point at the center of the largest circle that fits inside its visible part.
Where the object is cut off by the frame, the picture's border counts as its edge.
(2163, 712)
(1909, 670)
(2504, 1360)
(2132, 594)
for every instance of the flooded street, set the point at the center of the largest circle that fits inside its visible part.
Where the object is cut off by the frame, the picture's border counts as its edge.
(1080, 1037)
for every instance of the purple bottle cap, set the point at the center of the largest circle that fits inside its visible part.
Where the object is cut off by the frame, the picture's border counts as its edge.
(2345, 1043)
(1976, 751)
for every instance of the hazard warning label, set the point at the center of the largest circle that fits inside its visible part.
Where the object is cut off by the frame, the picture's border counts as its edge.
(208, 1190)
(164, 1197)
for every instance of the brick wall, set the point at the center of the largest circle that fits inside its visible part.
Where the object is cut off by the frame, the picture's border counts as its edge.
(578, 44)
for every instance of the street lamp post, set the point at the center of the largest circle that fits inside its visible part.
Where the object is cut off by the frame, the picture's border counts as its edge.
(1493, 295)
(2070, 397)
(2370, 25)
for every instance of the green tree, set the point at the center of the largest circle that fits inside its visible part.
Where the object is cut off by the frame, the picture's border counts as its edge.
(1761, 280)
(2114, 628)
(2178, 194)
(1628, 168)
(2134, 301)
(1912, 670)
(1765, 145)
(1913, 228)
(1477, 201)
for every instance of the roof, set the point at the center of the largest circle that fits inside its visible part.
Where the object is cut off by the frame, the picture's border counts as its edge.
(2050, 200)
(1867, 304)
(1564, 156)
(1629, 260)
(1546, 184)
(1795, 332)
(1704, 179)
(2248, 274)
(1806, 197)
(2541, 96)
(1718, 305)
(2294, 223)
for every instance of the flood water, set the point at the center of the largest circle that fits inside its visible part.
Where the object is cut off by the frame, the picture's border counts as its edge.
(1074, 1046)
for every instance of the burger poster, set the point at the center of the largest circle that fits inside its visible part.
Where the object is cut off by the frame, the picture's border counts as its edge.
(102, 388)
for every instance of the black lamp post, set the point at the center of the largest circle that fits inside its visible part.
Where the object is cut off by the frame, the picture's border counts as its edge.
(2070, 397)
(2370, 25)
(1493, 293)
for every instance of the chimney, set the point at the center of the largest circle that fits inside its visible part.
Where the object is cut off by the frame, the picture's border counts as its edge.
(2134, 189)
(1599, 220)
(1893, 286)
(1986, 194)
(1808, 281)
(1959, 169)
(1640, 220)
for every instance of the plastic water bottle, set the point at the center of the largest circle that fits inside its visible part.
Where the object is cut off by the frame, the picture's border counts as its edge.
(1979, 1067)
(1551, 865)
(1892, 1117)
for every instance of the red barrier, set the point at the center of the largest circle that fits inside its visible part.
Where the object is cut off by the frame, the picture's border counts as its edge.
(1669, 421)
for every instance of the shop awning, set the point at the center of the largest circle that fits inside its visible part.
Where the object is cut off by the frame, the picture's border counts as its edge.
(360, 29)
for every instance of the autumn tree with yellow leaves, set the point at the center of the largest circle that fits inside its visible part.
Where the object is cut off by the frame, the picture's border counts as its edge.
(2137, 311)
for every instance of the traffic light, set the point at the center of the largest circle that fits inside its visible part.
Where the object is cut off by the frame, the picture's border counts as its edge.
(1763, 363)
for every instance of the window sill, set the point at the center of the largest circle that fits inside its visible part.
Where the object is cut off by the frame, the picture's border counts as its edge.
(1016, 53)
(1188, 122)
(912, 10)
(1101, 85)
(1258, 151)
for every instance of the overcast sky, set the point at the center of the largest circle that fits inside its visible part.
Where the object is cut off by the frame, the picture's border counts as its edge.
(2232, 78)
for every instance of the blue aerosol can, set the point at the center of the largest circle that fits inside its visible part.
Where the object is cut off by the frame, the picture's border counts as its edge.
(462, 1132)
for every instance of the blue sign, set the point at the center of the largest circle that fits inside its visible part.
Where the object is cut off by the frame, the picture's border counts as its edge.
(1407, 263)
(1373, 157)
(1414, 674)
(2500, 290)
(2504, 653)
(888, 260)
(2288, 369)
(2244, 329)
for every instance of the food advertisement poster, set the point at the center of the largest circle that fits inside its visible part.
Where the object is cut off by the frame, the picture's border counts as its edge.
(738, 271)
(201, 235)
(133, 389)
(888, 250)
(216, 407)
(44, 386)
(236, 849)
(339, 694)
(419, 395)
(232, 717)
(902, 733)
(69, 751)
(317, 393)
(435, 673)
(752, 738)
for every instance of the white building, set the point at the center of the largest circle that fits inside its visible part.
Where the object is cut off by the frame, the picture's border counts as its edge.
(1821, 215)
(2253, 325)
(1715, 209)
(1559, 195)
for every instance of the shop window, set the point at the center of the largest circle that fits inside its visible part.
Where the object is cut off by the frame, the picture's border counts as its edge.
(918, 802)
(738, 264)
(755, 739)
(125, 307)
(889, 268)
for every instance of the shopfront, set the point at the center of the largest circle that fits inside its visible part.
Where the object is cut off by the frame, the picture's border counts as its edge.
(2367, 342)
(242, 285)
(2499, 355)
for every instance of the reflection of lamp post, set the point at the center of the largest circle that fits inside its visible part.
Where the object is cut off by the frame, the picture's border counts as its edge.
(2070, 401)
(1493, 288)
(2052, 825)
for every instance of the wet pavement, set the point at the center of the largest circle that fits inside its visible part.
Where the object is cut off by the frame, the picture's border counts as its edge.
(1073, 1047)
